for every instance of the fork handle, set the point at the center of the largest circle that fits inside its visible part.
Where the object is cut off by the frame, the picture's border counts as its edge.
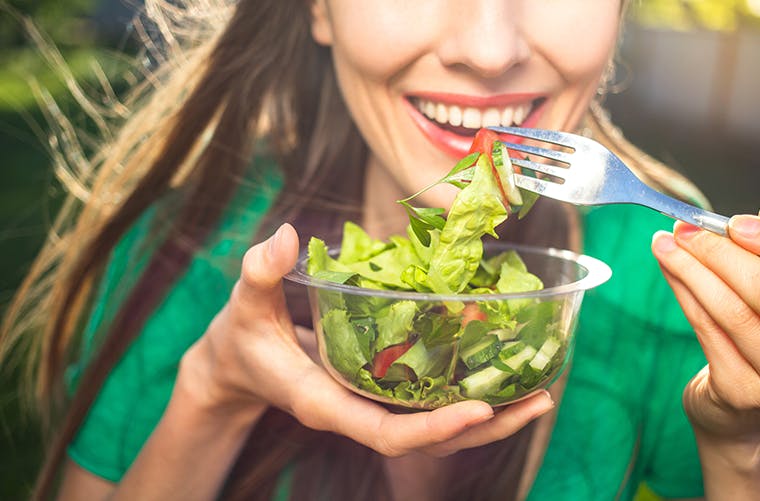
(685, 212)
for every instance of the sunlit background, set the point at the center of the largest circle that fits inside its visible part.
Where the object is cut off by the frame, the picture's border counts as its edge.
(688, 78)
(685, 90)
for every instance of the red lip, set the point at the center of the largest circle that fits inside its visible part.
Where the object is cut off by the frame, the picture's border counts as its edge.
(455, 145)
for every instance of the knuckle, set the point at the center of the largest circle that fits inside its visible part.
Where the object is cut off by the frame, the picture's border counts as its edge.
(436, 433)
(746, 398)
(238, 306)
(711, 246)
(236, 295)
(735, 395)
(386, 448)
(383, 443)
(739, 401)
(741, 315)
(302, 407)
(252, 262)
(753, 277)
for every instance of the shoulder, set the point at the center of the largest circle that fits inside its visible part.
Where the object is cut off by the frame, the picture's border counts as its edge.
(135, 393)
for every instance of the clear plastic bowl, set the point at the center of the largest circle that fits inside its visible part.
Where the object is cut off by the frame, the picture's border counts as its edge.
(517, 344)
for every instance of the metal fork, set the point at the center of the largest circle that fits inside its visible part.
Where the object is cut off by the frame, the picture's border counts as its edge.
(593, 175)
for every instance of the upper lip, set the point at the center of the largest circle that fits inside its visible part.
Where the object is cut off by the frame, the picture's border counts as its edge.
(475, 101)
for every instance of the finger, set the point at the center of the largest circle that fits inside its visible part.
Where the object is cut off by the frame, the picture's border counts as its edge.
(506, 423)
(731, 377)
(745, 231)
(735, 265)
(371, 424)
(264, 265)
(720, 304)
(718, 347)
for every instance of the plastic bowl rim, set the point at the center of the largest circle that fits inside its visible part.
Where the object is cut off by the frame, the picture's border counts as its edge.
(598, 272)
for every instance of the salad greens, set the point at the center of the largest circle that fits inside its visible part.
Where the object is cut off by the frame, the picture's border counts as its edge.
(428, 353)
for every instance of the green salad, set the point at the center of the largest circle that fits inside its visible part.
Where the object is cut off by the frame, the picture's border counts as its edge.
(428, 353)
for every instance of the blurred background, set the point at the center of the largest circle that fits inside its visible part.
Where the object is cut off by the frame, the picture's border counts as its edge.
(685, 91)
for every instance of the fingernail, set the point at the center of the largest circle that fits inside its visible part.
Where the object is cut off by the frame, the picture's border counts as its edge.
(541, 409)
(663, 242)
(481, 419)
(685, 231)
(274, 241)
(746, 226)
(549, 397)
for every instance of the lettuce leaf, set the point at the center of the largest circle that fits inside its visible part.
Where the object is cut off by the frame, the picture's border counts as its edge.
(343, 348)
(476, 211)
(357, 245)
(425, 361)
(394, 324)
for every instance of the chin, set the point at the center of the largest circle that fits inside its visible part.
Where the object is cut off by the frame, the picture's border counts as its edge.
(440, 196)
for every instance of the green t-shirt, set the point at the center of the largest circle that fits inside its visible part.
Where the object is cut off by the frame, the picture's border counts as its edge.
(620, 421)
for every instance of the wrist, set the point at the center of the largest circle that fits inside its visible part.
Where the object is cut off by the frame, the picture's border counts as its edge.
(738, 455)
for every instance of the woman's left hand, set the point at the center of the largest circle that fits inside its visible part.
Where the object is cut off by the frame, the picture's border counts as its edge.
(717, 283)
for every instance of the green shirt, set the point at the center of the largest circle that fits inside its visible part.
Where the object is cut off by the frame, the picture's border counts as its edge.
(620, 421)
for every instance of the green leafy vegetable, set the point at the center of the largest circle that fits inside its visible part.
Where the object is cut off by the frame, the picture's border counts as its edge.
(343, 348)
(395, 324)
(476, 211)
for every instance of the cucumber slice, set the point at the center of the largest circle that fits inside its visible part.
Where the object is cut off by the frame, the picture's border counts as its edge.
(506, 333)
(545, 354)
(480, 352)
(518, 360)
(510, 348)
(483, 382)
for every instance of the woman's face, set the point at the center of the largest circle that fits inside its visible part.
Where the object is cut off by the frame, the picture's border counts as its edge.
(421, 77)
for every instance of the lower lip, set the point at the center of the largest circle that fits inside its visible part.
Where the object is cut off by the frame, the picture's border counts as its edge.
(458, 146)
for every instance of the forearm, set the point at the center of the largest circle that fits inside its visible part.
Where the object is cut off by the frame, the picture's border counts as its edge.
(731, 470)
(190, 452)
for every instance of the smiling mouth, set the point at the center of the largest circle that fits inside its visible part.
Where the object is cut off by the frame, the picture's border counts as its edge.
(467, 120)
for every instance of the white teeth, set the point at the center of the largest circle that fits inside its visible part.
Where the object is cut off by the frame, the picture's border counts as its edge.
(491, 118)
(520, 113)
(429, 109)
(455, 116)
(441, 113)
(474, 118)
(471, 118)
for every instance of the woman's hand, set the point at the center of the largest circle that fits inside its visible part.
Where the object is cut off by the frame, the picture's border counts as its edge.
(250, 358)
(717, 283)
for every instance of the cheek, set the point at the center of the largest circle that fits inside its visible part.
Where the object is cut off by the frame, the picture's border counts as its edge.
(580, 40)
(377, 39)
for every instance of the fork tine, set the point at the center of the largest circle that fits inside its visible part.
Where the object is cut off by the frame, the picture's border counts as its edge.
(549, 136)
(559, 156)
(543, 187)
(560, 172)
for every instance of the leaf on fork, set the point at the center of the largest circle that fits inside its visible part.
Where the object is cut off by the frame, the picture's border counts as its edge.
(423, 220)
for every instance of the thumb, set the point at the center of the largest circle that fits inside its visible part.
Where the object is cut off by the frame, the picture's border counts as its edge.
(745, 231)
(263, 267)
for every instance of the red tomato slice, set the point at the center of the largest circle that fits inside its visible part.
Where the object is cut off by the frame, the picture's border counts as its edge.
(384, 359)
(472, 312)
(483, 143)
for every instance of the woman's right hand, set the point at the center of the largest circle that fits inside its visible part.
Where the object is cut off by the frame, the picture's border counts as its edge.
(250, 358)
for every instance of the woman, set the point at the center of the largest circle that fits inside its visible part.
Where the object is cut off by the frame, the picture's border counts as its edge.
(344, 108)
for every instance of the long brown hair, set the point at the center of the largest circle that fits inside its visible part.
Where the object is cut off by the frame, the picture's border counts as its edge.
(200, 118)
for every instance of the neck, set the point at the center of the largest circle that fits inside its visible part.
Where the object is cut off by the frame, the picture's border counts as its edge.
(382, 217)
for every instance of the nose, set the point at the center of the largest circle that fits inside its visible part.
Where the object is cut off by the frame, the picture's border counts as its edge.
(484, 36)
